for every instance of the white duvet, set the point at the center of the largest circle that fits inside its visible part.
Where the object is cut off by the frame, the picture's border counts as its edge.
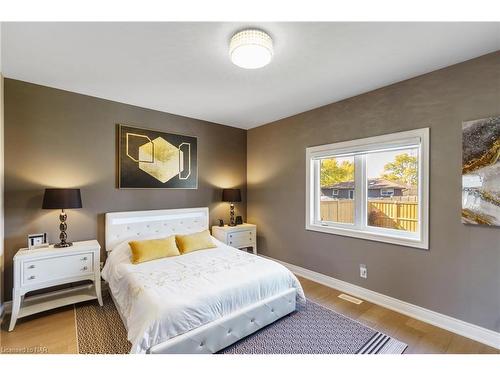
(164, 298)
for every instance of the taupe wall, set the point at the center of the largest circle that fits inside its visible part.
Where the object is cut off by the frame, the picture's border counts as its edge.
(1, 194)
(460, 275)
(55, 138)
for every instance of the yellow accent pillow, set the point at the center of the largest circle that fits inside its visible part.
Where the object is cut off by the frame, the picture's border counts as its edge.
(143, 251)
(195, 241)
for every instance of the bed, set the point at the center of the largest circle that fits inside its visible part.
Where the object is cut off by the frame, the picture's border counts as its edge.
(200, 302)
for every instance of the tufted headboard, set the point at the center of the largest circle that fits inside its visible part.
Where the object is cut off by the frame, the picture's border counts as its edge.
(123, 226)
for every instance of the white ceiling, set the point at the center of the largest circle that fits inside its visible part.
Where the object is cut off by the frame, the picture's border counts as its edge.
(183, 68)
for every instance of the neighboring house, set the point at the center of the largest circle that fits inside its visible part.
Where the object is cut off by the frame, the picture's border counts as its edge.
(377, 188)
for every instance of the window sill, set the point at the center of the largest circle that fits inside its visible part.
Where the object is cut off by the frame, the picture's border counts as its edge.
(367, 235)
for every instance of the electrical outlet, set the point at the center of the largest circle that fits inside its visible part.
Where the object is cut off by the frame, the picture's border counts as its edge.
(363, 271)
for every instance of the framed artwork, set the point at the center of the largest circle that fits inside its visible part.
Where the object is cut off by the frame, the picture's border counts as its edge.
(38, 240)
(151, 159)
(481, 171)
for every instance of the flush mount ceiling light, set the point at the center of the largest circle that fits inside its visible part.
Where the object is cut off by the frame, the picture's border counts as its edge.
(251, 49)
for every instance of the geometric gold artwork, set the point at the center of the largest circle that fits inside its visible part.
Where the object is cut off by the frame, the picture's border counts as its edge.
(154, 159)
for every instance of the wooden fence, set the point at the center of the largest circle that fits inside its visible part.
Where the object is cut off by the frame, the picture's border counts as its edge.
(381, 213)
(339, 210)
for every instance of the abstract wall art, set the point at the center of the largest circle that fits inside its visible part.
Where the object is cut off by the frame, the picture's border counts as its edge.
(155, 159)
(481, 171)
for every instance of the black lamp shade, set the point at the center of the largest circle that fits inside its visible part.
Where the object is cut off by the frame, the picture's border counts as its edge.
(62, 198)
(231, 195)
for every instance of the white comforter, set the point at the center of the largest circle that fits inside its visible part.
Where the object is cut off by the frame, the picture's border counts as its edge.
(164, 298)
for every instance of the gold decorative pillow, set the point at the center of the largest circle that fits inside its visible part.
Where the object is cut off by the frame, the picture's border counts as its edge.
(143, 251)
(195, 241)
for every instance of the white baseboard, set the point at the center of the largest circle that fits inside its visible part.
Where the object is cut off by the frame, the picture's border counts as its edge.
(449, 323)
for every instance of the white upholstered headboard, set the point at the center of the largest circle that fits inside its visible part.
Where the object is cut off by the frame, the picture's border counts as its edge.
(123, 226)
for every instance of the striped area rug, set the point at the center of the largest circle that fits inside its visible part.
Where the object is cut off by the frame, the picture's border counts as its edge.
(312, 329)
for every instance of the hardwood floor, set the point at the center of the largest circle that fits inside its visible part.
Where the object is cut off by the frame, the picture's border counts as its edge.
(421, 337)
(55, 331)
(51, 332)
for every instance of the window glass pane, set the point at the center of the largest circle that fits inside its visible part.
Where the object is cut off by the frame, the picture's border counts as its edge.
(392, 189)
(336, 183)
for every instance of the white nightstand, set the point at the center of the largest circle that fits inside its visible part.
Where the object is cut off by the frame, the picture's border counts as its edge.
(241, 236)
(49, 266)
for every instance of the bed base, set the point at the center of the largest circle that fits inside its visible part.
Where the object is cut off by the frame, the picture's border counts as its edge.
(219, 334)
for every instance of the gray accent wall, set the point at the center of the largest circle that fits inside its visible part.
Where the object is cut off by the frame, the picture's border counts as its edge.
(1, 195)
(460, 274)
(55, 138)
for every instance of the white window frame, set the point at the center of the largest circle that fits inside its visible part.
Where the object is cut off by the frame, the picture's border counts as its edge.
(335, 192)
(350, 192)
(359, 148)
(382, 190)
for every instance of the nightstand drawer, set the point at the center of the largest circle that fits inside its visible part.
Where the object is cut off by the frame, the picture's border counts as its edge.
(54, 268)
(242, 238)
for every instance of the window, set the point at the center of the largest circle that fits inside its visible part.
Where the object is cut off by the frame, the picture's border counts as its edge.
(379, 188)
(333, 171)
(387, 192)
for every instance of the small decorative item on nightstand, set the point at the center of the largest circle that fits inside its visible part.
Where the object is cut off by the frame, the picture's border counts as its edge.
(37, 240)
(48, 267)
(231, 196)
(61, 199)
(239, 220)
(243, 236)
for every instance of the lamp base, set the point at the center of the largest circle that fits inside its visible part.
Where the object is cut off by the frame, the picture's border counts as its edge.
(231, 215)
(63, 244)
(62, 227)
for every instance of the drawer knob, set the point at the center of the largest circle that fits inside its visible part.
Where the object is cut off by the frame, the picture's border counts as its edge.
(231, 235)
(84, 258)
(32, 277)
(230, 242)
(32, 266)
(84, 268)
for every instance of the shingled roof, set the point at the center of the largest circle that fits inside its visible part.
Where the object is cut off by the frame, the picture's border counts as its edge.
(373, 183)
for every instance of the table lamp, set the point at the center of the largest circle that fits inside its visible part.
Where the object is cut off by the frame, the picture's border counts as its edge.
(62, 199)
(231, 196)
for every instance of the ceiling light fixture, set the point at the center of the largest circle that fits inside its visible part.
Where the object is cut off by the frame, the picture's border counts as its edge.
(251, 49)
